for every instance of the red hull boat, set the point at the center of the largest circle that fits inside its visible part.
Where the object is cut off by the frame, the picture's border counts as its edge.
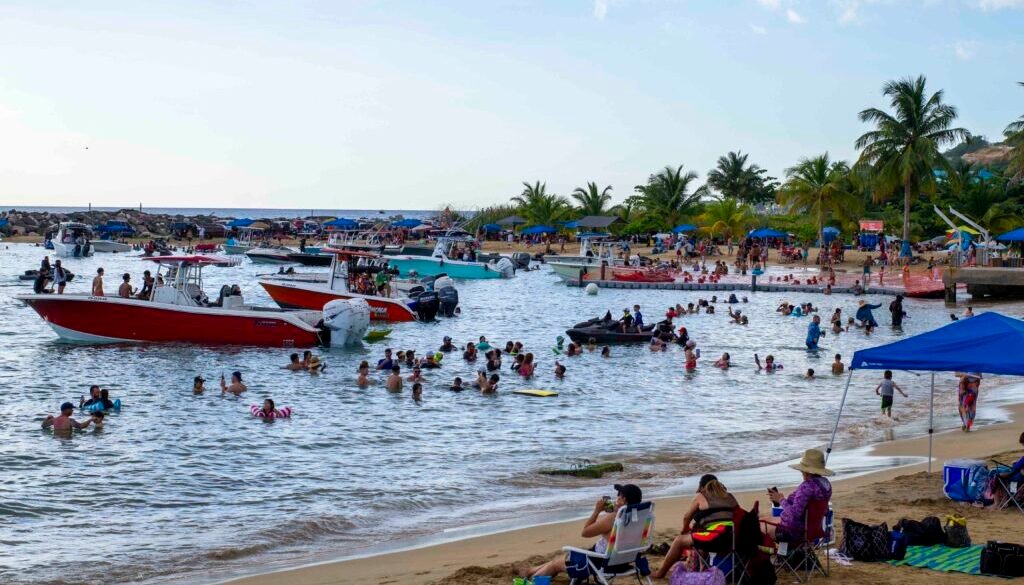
(305, 295)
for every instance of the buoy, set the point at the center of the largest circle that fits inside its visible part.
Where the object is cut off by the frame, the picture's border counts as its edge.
(591, 289)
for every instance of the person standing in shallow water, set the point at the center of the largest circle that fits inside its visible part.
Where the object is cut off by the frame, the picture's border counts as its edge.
(897, 312)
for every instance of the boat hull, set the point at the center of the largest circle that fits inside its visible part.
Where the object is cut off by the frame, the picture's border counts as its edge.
(108, 247)
(571, 271)
(433, 266)
(235, 249)
(86, 319)
(311, 259)
(62, 250)
(307, 295)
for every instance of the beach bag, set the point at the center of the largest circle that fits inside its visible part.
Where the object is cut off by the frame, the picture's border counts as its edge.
(577, 566)
(865, 543)
(681, 576)
(933, 532)
(897, 545)
(1002, 558)
(956, 532)
(912, 530)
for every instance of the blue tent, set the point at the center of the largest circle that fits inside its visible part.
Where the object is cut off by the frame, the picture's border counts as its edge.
(342, 224)
(686, 227)
(830, 234)
(243, 222)
(570, 225)
(1016, 235)
(4, 221)
(406, 223)
(491, 227)
(767, 233)
(539, 229)
(989, 343)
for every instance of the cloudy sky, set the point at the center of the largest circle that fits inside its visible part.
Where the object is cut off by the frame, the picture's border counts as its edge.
(409, 104)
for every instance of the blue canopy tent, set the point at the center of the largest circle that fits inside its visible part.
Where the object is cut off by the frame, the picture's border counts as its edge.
(686, 227)
(491, 227)
(569, 225)
(242, 222)
(767, 233)
(539, 229)
(830, 233)
(342, 224)
(989, 343)
(406, 223)
(1016, 235)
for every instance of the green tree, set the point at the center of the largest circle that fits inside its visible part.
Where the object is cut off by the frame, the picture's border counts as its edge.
(593, 201)
(667, 198)
(821, 188)
(903, 149)
(539, 207)
(733, 178)
(727, 217)
(1015, 138)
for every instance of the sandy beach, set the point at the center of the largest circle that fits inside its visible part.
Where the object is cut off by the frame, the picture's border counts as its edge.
(887, 495)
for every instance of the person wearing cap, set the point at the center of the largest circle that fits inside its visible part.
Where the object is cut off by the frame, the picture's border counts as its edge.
(63, 422)
(599, 524)
(708, 519)
(236, 386)
(446, 345)
(197, 385)
(814, 488)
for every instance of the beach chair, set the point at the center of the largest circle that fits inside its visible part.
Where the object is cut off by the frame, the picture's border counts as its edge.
(630, 538)
(726, 559)
(1013, 489)
(801, 558)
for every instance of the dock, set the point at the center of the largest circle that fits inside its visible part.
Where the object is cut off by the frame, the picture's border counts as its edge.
(752, 286)
(984, 281)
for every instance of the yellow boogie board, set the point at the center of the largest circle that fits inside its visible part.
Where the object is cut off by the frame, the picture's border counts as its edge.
(541, 393)
(377, 334)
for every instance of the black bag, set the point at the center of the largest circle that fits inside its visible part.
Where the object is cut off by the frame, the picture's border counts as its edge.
(956, 532)
(933, 532)
(912, 530)
(865, 543)
(1002, 558)
(897, 545)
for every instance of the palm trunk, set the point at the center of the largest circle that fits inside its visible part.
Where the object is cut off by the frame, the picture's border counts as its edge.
(821, 232)
(906, 208)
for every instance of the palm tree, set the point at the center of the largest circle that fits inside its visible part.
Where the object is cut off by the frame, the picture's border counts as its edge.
(667, 196)
(903, 149)
(728, 217)
(629, 209)
(821, 187)
(592, 201)
(733, 177)
(538, 207)
(1015, 138)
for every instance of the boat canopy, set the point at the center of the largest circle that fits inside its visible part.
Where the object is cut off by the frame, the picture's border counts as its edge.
(191, 260)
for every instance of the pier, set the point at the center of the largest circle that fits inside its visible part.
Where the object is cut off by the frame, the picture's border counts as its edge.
(984, 281)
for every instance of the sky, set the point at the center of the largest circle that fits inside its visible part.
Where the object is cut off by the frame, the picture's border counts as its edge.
(365, 104)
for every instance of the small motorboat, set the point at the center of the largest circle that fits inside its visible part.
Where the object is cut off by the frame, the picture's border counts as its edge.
(311, 259)
(271, 255)
(608, 330)
(111, 247)
(73, 240)
(441, 261)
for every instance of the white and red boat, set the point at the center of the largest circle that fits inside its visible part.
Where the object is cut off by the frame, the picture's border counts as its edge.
(305, 291)
(177, 310)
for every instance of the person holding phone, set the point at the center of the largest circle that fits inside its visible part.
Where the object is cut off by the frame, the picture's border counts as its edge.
(815, 487)
(236, 386)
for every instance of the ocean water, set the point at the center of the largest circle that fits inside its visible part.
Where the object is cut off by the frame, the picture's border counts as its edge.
(244, 212)
(182, 488)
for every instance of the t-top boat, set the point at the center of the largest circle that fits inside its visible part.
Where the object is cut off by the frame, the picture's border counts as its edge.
(177, 310)
(248, 237)
(445, 260)
(353, 276)
(73, 240)
(595, 249)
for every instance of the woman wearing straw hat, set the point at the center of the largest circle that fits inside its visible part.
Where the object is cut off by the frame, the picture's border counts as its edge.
(790, 527)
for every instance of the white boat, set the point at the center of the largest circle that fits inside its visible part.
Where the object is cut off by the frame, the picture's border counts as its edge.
(248, 237)
(594, 251)
(111, 247)
(271, 255)
(73, 240)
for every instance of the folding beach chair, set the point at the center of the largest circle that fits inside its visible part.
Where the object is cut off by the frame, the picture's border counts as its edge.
(1014, 489)
(724, 557)
(801, 558)
(629, 540)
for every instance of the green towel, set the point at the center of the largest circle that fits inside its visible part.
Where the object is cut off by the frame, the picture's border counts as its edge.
(945, 559)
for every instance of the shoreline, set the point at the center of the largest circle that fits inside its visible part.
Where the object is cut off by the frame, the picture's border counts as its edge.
(425, 562)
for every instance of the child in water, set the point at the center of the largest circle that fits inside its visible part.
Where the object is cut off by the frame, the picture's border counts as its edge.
(606, 352)
(885, 390)
(769, 364)
(837, 366)
(417, 391)
(691, 358)
(457, 385)
(723, 362)
(809, 375)
(559, 371)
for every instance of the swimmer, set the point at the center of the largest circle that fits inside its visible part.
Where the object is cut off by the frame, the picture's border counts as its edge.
(837, 366)
(417, 391)
(97, 419)
(363, 379)
(744, 320)
(197, 385)
(809, 375)
(63, 422)
(295, 364)
(482, 344)
(591, 344)
(493, 361)
(691, 358)
(559, 371)
(572, 350)
(517, 348)
(606, 352)
(457, 385)
(307, 357)
(316, 366)
(94, 397)
(710, 310)
(236, 386)
(395, 379)
(657, 344)
(723, 362)
(417, 375)
(387, 362)
(769, 364)
(510, 348)
(410, 358)
(487, 385)
(526, 368)
(268, 410)
(837, 327)
(736, 316)
(518, 362)
(446, 345)
(470, 353)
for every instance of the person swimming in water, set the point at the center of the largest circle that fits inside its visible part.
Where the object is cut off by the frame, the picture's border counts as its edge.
(446, 345)
(197, 385)
(769, 364)
(837, 366)
(63, 423)
(606, 352)
(417, 391)
(295, 364)
(736, 316)
(559, 371)
(526, 368)
(457, 385)
(723, 362)
(363, 379)
(395, 379)
(236, 386)
(809, 375)
(470, 352)
(691, 355)
(485, 384)
(417, 375)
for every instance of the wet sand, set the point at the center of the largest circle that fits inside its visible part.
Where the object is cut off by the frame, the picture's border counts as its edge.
(886, 495)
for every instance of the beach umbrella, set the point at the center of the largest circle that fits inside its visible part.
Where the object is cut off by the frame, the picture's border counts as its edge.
(406, 223)
(767, 233)
(342, 224)
(241, 222)
(686, 227)
(491, 227)
(569, 225)
(1016, 235)
(511, 220)
(539, 229)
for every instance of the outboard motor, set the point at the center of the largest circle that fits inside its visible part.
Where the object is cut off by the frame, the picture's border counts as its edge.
(447, 295)
(347, 320)
(427, 304)
(505, 267)
(521, 260)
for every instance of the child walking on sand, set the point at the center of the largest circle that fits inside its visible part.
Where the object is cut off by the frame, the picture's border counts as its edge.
(885, 390)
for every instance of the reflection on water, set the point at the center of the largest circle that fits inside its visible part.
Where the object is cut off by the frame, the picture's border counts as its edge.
(178, 484)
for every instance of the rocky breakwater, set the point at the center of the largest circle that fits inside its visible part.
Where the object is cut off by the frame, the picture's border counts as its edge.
(40, 223)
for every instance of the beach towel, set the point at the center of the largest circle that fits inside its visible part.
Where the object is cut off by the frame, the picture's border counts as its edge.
(942, 558)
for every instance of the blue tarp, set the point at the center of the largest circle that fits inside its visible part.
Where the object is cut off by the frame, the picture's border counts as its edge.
(406, 223)
(570, 225)
(767, 233)
(492, 227)
(686, 227)
(242, 222)
(539, 229)
(989, 343)
(3, 222)
(342, 224)
(1016, 235)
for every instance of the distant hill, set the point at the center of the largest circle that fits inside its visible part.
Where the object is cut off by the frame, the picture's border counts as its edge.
(979, 151)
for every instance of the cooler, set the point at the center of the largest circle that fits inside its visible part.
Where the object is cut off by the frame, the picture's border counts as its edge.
(964, 480)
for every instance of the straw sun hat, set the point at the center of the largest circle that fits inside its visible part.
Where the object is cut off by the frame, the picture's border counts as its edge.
(813, 462)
